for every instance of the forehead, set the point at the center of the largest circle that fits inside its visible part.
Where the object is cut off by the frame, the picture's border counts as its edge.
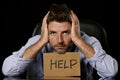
(59, 26)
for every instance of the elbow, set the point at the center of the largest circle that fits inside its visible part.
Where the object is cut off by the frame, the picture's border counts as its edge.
(112, 70)
(8, 68)
(7, 72)
(107, 74)
(112, 74)
(10, 71)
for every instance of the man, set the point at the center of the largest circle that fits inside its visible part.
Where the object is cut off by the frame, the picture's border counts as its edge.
(60, 32)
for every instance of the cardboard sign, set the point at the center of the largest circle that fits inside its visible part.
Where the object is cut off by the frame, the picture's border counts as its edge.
(61, 78)
(67, 64)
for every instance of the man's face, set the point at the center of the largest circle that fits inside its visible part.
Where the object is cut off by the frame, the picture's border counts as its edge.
(59, 36)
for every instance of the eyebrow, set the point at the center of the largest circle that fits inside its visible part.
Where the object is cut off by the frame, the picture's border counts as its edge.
(52, 31)
(62, 31)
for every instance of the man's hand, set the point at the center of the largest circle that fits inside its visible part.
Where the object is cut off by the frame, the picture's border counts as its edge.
(75, 30)
(32, 51)
(86, 48)
(44, 29)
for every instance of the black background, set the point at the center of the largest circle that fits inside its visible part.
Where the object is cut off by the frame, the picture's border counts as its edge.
(19, 17)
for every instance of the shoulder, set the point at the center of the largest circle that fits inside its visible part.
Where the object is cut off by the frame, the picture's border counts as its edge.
(33, 40)
(88, 38)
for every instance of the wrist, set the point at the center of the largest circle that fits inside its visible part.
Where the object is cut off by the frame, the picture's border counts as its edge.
(42, 41)
(76, 39)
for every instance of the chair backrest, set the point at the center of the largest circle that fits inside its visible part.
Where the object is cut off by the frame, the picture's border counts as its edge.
(93, 28)
(90, 27)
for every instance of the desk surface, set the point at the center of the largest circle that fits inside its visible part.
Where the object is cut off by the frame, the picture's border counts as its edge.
(55, 78)
(46, 78)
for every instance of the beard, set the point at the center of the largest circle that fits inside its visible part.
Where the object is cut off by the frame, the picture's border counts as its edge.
(62, 48)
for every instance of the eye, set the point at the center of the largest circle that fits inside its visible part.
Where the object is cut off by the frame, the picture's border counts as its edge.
(65, 33)
(53, 33)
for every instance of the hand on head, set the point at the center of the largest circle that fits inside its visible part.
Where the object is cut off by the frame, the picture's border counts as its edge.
(75, 30)
(44, 29)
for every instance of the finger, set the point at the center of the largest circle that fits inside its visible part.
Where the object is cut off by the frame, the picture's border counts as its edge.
(75, 22)
(72, 18)
(44, 20)
(75, 18)
(45, 17)
(44, 23)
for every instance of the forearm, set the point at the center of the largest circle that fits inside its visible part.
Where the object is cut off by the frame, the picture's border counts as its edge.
(86, 48)
(14, 66)
(105, 64)
(108, 67)
(31, 52)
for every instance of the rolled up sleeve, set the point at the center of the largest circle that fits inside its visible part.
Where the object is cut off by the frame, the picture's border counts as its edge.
(105, 64)
(13, 66)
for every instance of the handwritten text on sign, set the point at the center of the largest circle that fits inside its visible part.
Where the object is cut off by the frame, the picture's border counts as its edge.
(67, 64)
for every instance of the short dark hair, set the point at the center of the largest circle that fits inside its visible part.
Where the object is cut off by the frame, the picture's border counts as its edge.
(59, 13)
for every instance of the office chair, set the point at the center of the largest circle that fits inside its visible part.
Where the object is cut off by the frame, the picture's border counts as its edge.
(90, 27)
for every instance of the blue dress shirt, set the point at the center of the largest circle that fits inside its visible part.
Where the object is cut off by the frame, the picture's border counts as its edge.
(106, 66)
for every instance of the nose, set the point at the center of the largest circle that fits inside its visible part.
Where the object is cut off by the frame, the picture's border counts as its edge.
(60, 39)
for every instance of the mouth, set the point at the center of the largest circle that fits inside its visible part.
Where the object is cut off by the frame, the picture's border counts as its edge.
(60, 47)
